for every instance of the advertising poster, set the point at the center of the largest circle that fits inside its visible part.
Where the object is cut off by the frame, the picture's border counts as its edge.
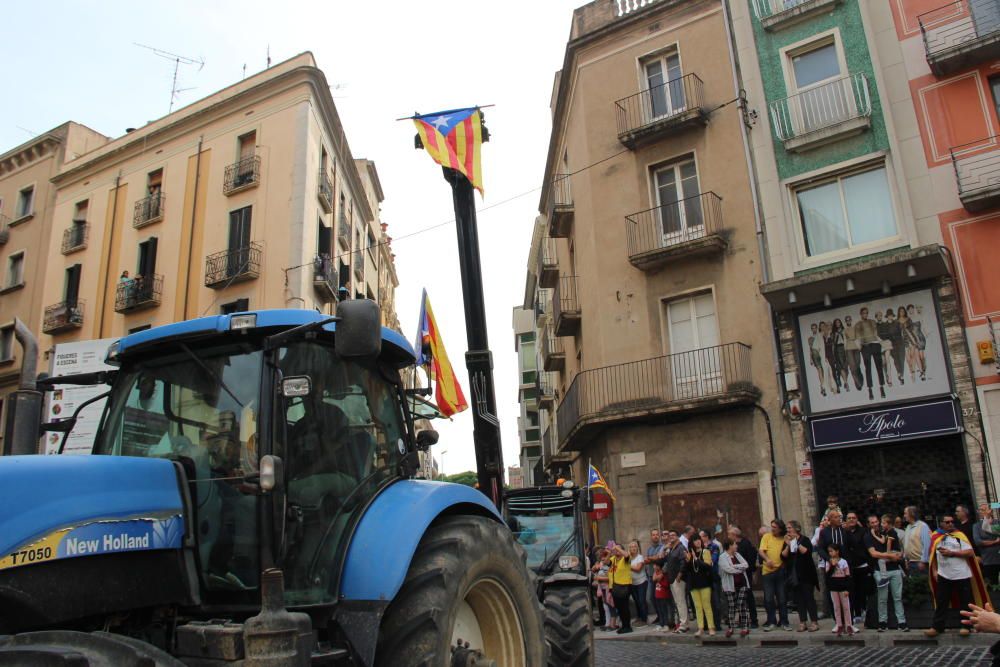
(873, 352)
(69, 359)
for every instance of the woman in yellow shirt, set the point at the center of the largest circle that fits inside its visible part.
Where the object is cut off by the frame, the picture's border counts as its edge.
(773, 576)
(621, 586)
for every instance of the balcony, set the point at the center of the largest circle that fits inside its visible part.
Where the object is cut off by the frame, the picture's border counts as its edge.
(661, 111)
(687, 228)
(708, 379)
(325, 278)
(63, 316)
(242, 175)
(546, 390)
(566, 307)
(548, 263)
(75, 237)
(359, 264)
(325, 191)
(148, 210)
(233, 266)
(4, 229)
(779, 14)
(978, 174)
(560, 207)
(553, 353)
(961, 34)
(344, 236)
(825, 113)
(543, 306)
(138, 293)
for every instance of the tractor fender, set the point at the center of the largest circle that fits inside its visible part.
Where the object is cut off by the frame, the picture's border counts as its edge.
(386, 537)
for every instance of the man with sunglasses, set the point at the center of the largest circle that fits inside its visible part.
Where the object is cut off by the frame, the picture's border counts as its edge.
(954, 574)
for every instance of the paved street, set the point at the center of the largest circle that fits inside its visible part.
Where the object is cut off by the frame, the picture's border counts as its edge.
(628, 653)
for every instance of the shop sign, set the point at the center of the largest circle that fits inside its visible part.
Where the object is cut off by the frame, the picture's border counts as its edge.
(919, 420)
(806, 470)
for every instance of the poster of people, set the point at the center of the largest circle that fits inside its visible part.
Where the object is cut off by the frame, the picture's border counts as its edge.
(873, 352)
(68, 359)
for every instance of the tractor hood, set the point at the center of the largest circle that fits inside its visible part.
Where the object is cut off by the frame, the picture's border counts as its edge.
(60, 507)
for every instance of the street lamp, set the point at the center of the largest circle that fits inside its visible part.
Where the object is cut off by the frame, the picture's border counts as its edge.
(441, 471)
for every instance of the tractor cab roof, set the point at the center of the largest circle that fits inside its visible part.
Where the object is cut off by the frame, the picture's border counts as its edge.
(395, 349)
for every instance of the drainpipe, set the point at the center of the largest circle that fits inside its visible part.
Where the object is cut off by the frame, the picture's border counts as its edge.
(107, 263)
(194, 209)
(761, 247)
(24, 406)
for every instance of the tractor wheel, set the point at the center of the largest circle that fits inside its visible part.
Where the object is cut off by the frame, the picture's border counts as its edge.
(467, 581)
(569, 627)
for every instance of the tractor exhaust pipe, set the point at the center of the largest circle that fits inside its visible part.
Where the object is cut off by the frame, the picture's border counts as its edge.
(24, 411)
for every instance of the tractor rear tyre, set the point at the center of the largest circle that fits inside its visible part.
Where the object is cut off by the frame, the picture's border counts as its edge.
(569, 627)
(467, 581)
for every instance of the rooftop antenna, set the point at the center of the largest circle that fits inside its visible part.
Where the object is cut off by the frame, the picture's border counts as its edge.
(178, 61)
(268, 55)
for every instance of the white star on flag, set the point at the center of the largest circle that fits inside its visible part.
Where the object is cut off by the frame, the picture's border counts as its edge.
(439, 122)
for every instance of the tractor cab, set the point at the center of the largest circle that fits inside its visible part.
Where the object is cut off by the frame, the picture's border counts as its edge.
(547, 521)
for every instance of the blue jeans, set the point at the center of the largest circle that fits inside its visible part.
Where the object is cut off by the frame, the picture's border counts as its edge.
(639, 595)
(894, 588)
(774, 594)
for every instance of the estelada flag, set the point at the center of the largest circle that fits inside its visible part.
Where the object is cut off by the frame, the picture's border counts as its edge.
(595, 480)
(454, 139)
(980, 595)
(447, 391)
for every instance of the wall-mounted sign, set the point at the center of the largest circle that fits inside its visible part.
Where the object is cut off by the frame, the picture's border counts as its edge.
(633, 460)
(906, 422)
(873, 352)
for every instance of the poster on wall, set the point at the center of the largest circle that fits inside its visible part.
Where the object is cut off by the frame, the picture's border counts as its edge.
(873, 352)
(69, 359)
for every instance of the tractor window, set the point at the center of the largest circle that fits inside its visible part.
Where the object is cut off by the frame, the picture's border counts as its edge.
(340, 444)
(200, 406)
(544, 526)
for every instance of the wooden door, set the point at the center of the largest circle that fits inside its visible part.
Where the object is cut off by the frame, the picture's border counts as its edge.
(712, 511)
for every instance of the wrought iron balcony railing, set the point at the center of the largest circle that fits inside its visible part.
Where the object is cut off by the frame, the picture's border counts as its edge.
(772, 13)
(960, 34)
(75, 237)
(824, 106)
(63, 316)
(233, 265)
(138, 293)
(660, 109)
(325, 191)
(548, 263)
(672, 227)
(566, 306)
(325, 276)
(149, 210)
(546, 387)
(242, 175)
(560, 206)
(674, 382)
(978, 173)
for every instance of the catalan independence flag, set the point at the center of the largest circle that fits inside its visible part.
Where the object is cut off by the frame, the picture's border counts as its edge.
(454, 139)
(595, 480)
(447, 391)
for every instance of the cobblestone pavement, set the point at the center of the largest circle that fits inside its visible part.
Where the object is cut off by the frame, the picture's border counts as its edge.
(631, 653)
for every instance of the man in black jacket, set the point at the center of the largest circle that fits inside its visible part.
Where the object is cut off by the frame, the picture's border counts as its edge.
(861, 572)
(745, 548)
(837, 533)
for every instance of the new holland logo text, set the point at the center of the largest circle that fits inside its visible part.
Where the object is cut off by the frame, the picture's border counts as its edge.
(121, 542)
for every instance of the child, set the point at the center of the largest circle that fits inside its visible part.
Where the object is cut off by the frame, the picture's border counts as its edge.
(832, 506)
(604, 593)
(662, 600)
(838, 582)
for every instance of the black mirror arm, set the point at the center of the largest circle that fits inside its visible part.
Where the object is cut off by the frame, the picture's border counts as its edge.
(67, 425)
(83, 379)
(279, 339)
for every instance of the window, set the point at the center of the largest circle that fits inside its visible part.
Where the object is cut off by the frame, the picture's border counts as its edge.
(694, 338)
(995, 91)
(527, 350)
(25, 202)
(815, 66)
(527, 337)
(247, 145)
(849, 210)
(154, 182)
(7, 344)
(532, 452)
(665, 85)
(237, 306)
(239, 241)
(144, 283)
(680, 212)
(71, 285)
(15, 270)
(324, 239)
(80, 211)
(139, 328)
(821, 97)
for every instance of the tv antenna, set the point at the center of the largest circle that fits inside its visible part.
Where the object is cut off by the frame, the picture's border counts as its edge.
(178, 61)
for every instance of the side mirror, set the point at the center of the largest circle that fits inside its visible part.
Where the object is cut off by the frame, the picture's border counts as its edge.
(359, 329)
(426, 438)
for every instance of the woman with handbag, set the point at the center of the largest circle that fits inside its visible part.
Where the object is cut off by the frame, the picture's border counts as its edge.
(802, 576)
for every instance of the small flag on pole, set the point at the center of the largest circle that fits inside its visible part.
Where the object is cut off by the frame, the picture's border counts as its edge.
(454, 139)
(447, 391)
(596, 481)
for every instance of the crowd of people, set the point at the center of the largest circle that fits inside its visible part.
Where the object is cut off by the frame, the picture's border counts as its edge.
(701, 581)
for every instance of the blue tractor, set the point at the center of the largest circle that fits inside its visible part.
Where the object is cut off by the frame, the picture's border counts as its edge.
(251, 501)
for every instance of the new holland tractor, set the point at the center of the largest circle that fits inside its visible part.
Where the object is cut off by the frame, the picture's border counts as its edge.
(250, 501)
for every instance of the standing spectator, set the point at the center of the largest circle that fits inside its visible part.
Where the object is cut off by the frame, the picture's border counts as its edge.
(715, 548)
(824, 594)
(746, 549)
(733, 569)
(639, 581)
(797, 554)
(602, 580)
(773, 576)
(883, 548)
(661, 599)
(953, 568)
(916, 541)
(621, 587)
(897, 527)
(676, 559)
(838, 574)
(834, 535)
(861, 573)
(699, 568)
(686, 536)
(988, 543)
(654, 556)
(965, 525)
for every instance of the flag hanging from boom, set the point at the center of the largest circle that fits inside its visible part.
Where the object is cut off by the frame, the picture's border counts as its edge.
(447, 391)
(454, 139)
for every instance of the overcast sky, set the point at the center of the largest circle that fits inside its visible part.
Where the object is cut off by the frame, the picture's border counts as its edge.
(385, 59)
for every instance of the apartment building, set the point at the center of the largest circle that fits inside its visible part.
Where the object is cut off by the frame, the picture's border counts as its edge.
(875, 372)
(248, 198)
(644, 276)
(27, 199)
(528, 425)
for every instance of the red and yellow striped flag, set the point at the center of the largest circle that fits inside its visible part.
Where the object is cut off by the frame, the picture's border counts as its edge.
(454, 139)
(447, 391)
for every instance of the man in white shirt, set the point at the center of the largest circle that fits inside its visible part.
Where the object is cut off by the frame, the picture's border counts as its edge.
(951, 574)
